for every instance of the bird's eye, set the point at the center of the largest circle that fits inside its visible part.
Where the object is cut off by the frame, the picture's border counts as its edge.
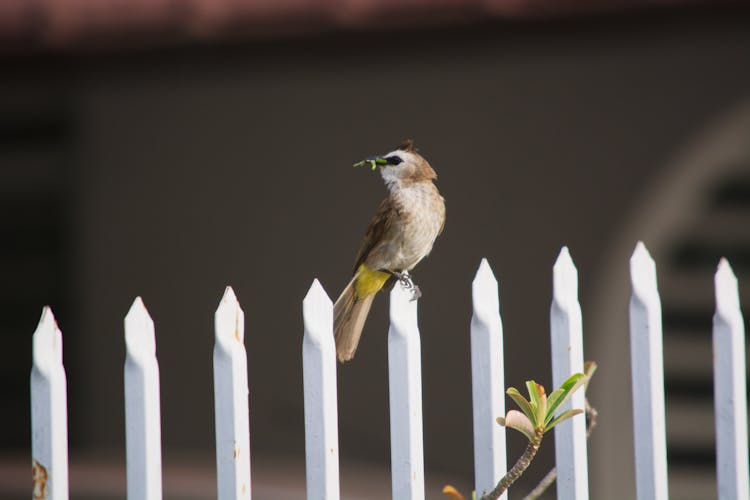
(394, 160)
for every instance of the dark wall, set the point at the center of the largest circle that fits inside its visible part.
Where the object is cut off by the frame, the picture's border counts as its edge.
(195, 168)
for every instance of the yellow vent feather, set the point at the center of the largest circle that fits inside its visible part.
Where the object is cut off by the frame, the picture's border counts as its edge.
(369, 281)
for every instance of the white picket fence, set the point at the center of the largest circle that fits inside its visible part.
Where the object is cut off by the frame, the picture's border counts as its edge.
(143, 421)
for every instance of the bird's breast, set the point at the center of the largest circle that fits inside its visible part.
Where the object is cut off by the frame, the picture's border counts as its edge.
(423, 214)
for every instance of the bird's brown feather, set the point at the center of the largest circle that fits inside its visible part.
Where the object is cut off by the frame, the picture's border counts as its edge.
(349, 313)
(379, 226)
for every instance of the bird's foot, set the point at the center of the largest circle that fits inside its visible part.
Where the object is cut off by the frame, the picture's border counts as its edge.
(404, 278)
(406, 281)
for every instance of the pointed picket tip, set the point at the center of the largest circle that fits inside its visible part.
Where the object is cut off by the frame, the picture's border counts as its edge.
(485, 296)
(317, 310)
(47, 342)
(643, 272)
(727, 291)
(316, 295)
(229, 295)
(484, 275)
(137, 308)
(564, 279)
(229, 320)
(140, 341)
(402, 310)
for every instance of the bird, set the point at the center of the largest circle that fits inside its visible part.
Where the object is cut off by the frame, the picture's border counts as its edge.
(399, 236)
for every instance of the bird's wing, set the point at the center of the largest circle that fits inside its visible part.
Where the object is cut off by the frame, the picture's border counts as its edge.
(379, 226)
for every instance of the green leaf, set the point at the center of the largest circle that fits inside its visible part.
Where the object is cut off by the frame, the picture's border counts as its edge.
(562, 417)
(531, 389)
(542, 397)
(518, 421)
(562, 393)
(521, 402)
(531, 386)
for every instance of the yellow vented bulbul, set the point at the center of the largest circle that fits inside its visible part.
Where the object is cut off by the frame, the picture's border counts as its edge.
(399, 236)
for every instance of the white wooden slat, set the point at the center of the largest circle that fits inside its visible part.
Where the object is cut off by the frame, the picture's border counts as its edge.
(567, 358)
(321, 410)
(142, 408)
(49, 412)
(730, 397)
(405, 397)
(487, 381)
(647, 372)
(231, 401)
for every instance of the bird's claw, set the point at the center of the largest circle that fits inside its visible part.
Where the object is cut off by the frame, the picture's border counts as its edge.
(406, 281)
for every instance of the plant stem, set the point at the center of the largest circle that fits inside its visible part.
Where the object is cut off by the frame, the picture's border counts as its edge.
(549, 479)
(521, 465)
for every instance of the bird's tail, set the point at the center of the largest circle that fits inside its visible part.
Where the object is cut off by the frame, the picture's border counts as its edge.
(349, 315)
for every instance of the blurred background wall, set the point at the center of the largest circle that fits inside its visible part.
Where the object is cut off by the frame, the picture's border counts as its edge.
(169, 159)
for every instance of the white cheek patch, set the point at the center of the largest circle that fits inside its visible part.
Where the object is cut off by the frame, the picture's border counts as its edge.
(392, 173)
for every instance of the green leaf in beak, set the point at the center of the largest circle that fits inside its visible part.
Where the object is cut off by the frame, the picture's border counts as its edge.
(373, 161)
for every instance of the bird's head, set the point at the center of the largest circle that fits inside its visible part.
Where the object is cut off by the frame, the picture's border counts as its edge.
(401, 167)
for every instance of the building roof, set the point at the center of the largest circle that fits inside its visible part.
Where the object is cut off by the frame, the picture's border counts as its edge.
(78, 23)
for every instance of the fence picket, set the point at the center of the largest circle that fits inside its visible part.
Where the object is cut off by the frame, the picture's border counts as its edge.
(405, 397)
(49, 412)
(142, 399)
(487, 381)
(566, 332)
(647, 372)
(321, 410)
(231, 401)
(142, 410)
(730, 399)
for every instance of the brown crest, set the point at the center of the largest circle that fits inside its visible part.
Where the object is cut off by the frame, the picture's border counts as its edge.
(407, 145)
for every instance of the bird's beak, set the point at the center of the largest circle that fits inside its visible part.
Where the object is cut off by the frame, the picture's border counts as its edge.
(372, 161)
